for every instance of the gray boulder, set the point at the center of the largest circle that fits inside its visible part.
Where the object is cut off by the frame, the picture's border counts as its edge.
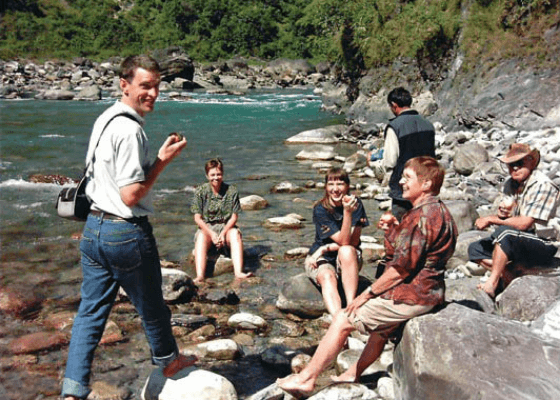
(460, 353)
(55, 95)
(528, 297)
(464, 214)
(189, 383)
(327, 135)
(468, 156)
(177, 67)
(301, 297)
(89, 93)
(464, 240)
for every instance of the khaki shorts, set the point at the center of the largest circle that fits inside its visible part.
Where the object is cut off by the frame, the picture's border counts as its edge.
(384, 316)
(217, 228)
(322, 264)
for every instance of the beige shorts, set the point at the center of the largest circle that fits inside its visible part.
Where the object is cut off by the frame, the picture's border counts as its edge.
(384, 316)
(322, 264)
(216, 228)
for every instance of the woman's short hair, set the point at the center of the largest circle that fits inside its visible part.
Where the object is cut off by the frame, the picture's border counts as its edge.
(132, 63)
(428, 169)
(337, 174)
(213, 163)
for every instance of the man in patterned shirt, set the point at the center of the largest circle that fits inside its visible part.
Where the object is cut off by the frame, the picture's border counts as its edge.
(524, 238)
(411, 285)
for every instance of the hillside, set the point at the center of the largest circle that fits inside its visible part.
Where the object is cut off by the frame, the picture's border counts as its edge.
(357, 34)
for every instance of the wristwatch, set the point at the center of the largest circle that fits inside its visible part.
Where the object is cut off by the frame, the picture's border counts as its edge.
(370, 290)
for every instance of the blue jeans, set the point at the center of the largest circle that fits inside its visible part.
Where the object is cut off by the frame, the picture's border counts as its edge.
(117, 253)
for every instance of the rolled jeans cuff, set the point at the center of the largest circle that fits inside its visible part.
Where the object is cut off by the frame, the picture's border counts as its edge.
(72, 388)
(164, 361)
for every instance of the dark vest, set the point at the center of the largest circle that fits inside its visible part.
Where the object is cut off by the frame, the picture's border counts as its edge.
(416, 137)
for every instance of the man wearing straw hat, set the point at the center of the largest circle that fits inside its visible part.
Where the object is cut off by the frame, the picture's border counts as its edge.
(524, 238)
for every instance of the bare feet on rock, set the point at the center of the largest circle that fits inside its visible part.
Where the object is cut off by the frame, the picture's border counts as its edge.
(244, 275)
(181, 362)
(489, 287)
(295, 387)
(343, 378)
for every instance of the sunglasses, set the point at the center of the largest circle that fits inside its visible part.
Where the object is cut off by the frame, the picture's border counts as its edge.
(516, 164)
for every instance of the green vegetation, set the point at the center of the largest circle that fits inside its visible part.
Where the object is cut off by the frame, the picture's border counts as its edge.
(354, 33)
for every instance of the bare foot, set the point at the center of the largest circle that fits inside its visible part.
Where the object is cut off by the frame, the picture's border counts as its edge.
(244, 275)
(181, 362)
(198, 280)
(346, 378)
(295, 387)
(489, 287)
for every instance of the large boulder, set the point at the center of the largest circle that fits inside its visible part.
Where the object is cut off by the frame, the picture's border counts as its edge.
(327, 135)
(301, 297)
(317, 153)
(468, 156)
(189, 383)
(459, 353)
(464, 213)
(528, 297)
(89, 93)
(177, 67)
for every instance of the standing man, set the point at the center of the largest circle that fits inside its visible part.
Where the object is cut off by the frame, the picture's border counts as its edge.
(407, 135)
(524, 237)
(118, 247)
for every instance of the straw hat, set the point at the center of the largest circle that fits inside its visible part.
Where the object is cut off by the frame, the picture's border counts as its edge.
(518, 151)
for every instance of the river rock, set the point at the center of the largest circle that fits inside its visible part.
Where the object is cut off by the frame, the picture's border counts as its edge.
(301, 297)
(101, 390)
(188, 384)
(247, 321)
(219, 296)
(528, 297)
(460, 353)
(280, 223)
(220, 349)
(464, 214)
(327, 135)
(348, 357)
(468, 156)
(278, 358)
(286, 187)
(297, 253)
(347, 391)
(36, 342)
(177, 67)
(253, 202)
(464, 240)
(317, 152)
(90, 93)
(55, 95)
(112, 334)
(549, 323)
(191, 321)
(354, 162)
(19, 301)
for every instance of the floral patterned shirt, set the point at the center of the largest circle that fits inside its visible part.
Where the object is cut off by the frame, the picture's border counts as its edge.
(216, 208)
(418, 248)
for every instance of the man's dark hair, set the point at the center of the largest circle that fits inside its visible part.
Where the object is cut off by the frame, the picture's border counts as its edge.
(400, 96)
(132, 63)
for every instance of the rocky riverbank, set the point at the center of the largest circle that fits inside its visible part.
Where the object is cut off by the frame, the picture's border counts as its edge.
(82, 79)
(460, 352)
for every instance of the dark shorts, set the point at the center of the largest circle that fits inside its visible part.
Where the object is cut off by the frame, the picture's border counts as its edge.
(519, 246)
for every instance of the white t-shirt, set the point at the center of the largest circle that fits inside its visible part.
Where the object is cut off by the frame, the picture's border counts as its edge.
(121, 158)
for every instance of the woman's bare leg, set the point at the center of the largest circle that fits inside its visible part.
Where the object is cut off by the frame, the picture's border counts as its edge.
(201, 247)
(329, 347)
(235, 243)
(348, 258)
(329, 290)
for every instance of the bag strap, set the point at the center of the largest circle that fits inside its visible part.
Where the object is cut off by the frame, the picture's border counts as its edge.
(101, 134)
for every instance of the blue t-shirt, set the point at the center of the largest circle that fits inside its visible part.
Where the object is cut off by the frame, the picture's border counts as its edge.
(328, 223)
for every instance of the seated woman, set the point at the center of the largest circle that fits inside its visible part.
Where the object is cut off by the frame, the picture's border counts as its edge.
(412, 284)
(215, 207)
(335, 254)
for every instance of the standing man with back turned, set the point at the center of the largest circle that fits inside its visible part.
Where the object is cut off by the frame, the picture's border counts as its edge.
(408, 135)
(118, 247)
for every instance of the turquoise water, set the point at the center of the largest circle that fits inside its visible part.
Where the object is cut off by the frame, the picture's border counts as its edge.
(247, 132)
